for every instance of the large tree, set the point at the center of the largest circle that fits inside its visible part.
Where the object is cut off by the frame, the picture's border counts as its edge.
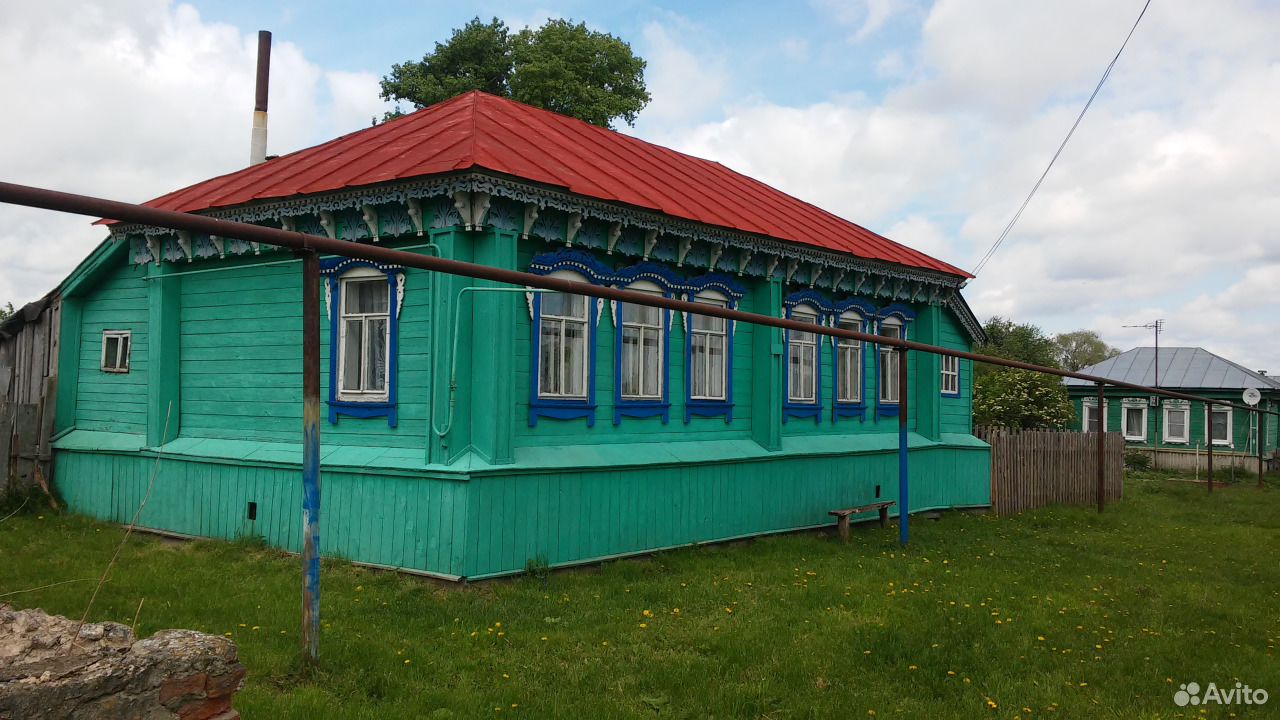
(1082, 348)
(1005, 397)
(561, 66)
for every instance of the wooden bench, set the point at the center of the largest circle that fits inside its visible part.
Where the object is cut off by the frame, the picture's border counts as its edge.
(842, 516)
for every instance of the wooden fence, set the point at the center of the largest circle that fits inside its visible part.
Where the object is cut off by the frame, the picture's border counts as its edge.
(28, 382)
(1034, 468)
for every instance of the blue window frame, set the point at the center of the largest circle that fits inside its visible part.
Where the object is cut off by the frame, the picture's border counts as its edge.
(803, 375)
(563, 381)
(709, 349)
(849, 359)
(642, 345)
(363, 300)
(891, 321)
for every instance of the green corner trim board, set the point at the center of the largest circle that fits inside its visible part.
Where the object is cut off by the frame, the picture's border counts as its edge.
(468, 433)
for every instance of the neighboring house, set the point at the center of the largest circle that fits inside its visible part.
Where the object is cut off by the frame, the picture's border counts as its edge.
(470, 432)
(1178, 430)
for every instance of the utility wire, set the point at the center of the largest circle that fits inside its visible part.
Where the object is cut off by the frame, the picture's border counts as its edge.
(1007, 228)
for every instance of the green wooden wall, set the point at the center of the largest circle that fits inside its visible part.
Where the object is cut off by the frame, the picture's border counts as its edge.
(113, 402)
(490, 493)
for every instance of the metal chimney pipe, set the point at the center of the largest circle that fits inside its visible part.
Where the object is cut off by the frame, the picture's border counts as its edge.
(258, 140)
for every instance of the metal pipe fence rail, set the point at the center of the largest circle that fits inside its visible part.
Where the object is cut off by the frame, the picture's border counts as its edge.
(311, 245)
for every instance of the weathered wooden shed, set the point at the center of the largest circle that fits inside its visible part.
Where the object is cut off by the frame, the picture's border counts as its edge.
(29, 340)
(473, 429)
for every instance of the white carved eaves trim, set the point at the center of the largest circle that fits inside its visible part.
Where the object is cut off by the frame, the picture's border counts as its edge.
(544, 197)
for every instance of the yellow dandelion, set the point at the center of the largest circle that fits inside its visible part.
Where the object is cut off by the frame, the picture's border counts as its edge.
(227, 634)
(912, 667)
(606, 642)
(647, 613)
(729, 610)
(506, 676)
(497, 624)
(359, 588)
(504, 632)
(407, 661)
(1040, 638)
(243, 625)
(951, 673)
(675, 611)
(644, 625)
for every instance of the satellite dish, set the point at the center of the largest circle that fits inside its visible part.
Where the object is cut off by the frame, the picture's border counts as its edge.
(1252, 396)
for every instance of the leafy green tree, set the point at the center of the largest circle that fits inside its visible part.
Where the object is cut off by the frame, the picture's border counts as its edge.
(1082, 348)
(1006, 397)
(1018, 341)
(7, 311)
(1021, 399)
(561, 66)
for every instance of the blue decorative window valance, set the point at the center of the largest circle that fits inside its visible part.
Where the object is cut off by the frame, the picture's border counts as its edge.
(363, 301)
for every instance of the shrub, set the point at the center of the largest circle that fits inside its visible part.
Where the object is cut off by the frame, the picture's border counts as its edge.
(1137, 460)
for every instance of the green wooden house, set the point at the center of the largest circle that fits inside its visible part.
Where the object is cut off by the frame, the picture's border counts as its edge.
(471, 429)
(1177, 432)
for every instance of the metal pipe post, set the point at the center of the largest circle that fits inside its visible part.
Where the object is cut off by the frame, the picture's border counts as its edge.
(1208, 433)
(311, 455)
(1102, 447)
(903, 500)
(1262, 439)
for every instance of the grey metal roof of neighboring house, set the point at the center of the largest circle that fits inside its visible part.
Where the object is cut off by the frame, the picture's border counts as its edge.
(1180, 367)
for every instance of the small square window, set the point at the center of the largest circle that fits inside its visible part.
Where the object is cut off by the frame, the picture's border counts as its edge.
(115, 351)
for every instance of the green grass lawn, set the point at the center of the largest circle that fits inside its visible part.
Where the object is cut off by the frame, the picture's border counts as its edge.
(1058, 613)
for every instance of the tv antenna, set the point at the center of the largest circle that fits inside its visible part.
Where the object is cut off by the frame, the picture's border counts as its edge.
(1157, 326)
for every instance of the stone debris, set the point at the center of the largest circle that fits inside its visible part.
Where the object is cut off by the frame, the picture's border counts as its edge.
(106, 673)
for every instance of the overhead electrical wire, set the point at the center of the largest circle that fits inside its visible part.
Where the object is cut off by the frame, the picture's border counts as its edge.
(1107, 73)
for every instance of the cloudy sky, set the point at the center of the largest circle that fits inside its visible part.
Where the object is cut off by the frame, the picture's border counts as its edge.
(927, 122)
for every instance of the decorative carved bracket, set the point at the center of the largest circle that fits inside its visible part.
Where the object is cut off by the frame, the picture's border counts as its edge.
(650, 239)
(839, 278)
(287, 223)
(744, 257)
(462, 201)
(330, 227)
(879, 285)
(773, 265)
(792, 266)
(716, 252)
(370, 215)
(480, 202)
(220, 245)
(897, 288)
(816, 273)
(686, 244)
(530, 217)
(573, 225)
(415, 213)
(615, 232)
(184, 242)
(154, 243)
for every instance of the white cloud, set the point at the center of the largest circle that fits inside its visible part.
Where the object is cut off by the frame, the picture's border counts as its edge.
(683, 84)
(1163, 205)
(866, 17)
(131, 102)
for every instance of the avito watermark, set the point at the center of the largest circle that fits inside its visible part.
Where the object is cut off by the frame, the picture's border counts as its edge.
(1241, 694)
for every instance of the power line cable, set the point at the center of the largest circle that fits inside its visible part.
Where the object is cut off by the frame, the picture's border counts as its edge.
(1007, 228)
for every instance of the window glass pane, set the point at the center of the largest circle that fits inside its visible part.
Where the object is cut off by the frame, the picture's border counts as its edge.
(367, 296)
(716, 368)
(644, 315)
(562, 305)
(1219, 418)
(698, 365)
(630, 361)
(651, 362)
(1133, 422)
(376, 366)
(793, 371)
(549, 354)
(891, 330)
(889, 376)
(1177, 425)
(352, 355)
(122, 361)
(710, 324)
(575, 359)
(111, 353)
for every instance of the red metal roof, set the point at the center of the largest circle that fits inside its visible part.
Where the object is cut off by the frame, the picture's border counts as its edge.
(478, 130)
